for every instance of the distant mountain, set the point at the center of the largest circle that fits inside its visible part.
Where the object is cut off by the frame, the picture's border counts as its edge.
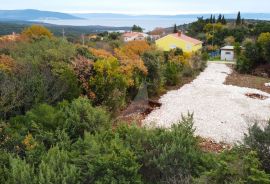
(30, 14)
(259, 16)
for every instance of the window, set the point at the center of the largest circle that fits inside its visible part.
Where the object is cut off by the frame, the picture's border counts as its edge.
(188, 47)
(228, 53)
(172, 46)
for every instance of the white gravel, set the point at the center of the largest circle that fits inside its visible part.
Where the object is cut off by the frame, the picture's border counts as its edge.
(221, 112)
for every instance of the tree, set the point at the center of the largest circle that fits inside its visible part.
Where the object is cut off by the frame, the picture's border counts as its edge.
(238, 19)
(42, 72)
(104, 158)
(20, 172)
(175, 30)
(230, 40)
(264, 42)
(219, 20)
(56, 167)
(83, 68)
(154, 62)
(36, 32)
(109, 84)
(80, 116)
(136, 28)
(131, 63)
(259, 139)
(223, 20)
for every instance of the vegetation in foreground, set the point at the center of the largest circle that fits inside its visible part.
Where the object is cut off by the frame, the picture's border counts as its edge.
(74, 142)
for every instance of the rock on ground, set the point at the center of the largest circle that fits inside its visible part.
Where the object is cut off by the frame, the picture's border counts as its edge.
(221, 112)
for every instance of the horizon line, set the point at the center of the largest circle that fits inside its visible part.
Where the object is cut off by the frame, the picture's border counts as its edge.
(140, 14)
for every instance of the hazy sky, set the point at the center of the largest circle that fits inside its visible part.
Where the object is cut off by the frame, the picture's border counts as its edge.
(141, 6)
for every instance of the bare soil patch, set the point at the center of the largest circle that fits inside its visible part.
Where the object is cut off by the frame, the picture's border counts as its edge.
(256, 96)
(247, 80)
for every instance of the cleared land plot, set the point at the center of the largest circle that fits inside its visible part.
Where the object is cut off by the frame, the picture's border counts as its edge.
(221, 112)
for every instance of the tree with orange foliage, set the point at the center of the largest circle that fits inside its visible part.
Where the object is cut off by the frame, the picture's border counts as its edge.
(36, 32)
(100, 53)
(130, 59)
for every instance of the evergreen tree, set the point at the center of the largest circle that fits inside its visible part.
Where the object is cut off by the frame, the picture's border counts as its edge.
(20, 172)
(223, 20)
(56, 167)
(211, 19)
(238, 19)
(175, 30)
(219, 18)
(214, 19)
(136, 28)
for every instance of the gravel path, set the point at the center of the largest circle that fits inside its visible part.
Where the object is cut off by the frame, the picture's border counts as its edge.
(221, 112)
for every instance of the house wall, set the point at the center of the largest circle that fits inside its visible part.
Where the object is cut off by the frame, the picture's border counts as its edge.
(227, 55)
(169, 42)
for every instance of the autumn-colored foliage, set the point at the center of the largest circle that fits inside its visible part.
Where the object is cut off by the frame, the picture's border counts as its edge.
(100, 53)
(36, 31)
(130, 58)
(83, 68)
(7, 64)
(29, 142)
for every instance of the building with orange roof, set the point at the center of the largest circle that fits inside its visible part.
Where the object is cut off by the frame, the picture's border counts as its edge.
(179, 40)
(131, 36)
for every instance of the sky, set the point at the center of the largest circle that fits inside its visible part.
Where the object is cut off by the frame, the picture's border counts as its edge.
(160, 7)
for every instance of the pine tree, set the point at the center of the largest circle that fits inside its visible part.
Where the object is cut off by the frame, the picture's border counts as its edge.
(219, 18)
(56, 167)
(211, 19)
(238, 19)
(223, 20)
(20, 172)
(214, 19)
(175, 30)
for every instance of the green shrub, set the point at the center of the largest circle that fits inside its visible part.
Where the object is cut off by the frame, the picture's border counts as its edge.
(187, 71)
(205, 56)
(80, 116)
(166, 155)
(235, 166)
(56, 167)
(109, 84)
(259, 139)
(243, 64)
(5, 166)
(20, 172)
(104, 159)
(154, 62)
(173, 73)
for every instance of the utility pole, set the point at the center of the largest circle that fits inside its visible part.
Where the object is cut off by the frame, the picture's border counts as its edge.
(213, 36)
(63, 33)
(83, 39)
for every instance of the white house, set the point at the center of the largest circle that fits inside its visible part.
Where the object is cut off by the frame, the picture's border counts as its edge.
(131, 36)
(227, 53)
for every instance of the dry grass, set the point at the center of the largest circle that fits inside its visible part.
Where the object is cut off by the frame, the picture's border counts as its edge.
(246, 80)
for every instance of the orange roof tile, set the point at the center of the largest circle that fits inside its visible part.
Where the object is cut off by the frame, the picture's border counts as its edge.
(187, 38)
(130, 34)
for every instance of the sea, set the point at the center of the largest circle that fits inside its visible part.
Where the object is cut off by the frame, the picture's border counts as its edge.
(146, 23)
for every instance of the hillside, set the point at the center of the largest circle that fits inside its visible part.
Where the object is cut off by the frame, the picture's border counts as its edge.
(7, 27)
(31, 14)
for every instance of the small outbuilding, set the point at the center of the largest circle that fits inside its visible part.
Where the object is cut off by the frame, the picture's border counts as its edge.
(227, 53)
